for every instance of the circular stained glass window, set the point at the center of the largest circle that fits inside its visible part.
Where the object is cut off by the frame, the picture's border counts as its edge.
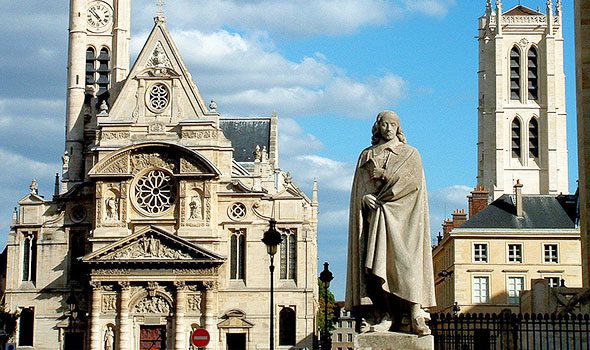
(237, 211)
(155, 192)
(159, 96)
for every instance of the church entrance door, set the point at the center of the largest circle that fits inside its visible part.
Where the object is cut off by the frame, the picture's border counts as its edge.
(152, 338)
(236, 341)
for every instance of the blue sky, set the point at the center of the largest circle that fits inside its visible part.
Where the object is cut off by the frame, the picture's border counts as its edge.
(327, 67)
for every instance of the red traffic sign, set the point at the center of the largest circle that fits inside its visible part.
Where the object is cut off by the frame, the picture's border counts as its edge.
(200, 337)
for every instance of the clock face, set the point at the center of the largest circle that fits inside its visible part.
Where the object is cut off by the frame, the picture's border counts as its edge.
(99, 16)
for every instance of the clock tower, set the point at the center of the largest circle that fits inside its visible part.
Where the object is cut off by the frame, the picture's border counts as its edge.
(98, 61)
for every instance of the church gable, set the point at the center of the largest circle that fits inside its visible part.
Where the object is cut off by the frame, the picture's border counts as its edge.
(159, 89)
(153, 245)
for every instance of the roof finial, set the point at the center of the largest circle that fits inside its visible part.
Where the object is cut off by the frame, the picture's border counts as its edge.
(160, 14)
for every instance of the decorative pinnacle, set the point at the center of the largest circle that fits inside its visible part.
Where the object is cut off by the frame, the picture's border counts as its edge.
(160, 14)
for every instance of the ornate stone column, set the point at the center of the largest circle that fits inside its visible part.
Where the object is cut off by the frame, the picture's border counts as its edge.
(210, 296)
(179, 326)
(95, 335)
(124, 325)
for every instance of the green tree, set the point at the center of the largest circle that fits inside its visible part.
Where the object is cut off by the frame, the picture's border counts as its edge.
(7, 324)
(332, 308)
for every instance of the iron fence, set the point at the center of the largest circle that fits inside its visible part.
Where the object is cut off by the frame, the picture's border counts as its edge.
(509, 331)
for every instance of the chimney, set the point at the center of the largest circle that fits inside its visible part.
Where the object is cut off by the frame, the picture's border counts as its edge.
(518, 198)
(459, 217)
(447, 226)
(478, 200)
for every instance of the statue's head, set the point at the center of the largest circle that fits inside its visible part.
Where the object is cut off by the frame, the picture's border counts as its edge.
(386, 127)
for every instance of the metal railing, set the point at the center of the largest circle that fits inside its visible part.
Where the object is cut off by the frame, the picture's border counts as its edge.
(509, 331)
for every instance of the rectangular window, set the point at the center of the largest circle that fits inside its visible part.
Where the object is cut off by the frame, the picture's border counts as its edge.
(515, 253)
(553, 282)
(551, 255)
(480, 290)
(515, 285)
(26, 325)
(480, 252)
(340, 337)
(349, 337)
(289, 255)
(237, 264)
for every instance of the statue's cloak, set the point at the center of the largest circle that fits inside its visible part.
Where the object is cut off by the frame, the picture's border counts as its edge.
(393, 241)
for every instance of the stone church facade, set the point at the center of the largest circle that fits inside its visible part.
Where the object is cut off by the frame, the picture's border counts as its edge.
(156, 227)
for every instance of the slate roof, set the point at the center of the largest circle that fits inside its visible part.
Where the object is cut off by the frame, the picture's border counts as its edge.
(540, 212)
(245, 134)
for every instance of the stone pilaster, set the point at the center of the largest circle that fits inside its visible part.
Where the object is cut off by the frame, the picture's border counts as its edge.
(211, 304)
(95, 335)
(124, 324)
(179, 326)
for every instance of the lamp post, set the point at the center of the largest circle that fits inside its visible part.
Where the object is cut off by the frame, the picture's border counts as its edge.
(326, 277)
(272, 238)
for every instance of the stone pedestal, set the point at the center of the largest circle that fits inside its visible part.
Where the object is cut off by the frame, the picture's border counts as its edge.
(393, 341)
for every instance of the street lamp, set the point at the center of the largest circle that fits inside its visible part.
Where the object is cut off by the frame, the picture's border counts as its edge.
(272, 238)
(326, 277)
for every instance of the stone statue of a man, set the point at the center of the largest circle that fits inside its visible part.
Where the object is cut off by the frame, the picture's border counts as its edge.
(390, 279)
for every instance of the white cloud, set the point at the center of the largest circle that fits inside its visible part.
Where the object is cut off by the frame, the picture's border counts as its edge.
(247, 76)
(294, 141)
(332, 175)
(336, 220)
(17, 167)
(443, 202)
(434, 8)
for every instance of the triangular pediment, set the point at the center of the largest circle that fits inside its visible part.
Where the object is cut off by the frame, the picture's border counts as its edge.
(520, 10)
(159, 87)
(31, 199)
(153, 245)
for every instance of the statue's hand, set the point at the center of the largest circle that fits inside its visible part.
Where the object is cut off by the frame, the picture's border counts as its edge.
(378, 173)
(371, 201)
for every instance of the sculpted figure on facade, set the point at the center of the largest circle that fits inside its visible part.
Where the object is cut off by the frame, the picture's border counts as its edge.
(109, 338)
(389, 279)
(195, 208)
(112, 208)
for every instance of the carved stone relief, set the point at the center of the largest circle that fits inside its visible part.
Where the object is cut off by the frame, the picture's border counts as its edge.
(194, 302)
(187, 166)
(140, 161)
(117, 165)
(146, 248)
(199, 134)
(114, 135)
(109, 302)
(152, 305)
(159, 59)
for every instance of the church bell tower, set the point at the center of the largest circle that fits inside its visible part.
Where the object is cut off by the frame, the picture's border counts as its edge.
(98, 61)
(521, 110)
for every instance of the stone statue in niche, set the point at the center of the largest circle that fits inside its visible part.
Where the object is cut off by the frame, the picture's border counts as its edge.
(109, 339)
(390, 280)
(111, 205)
(195, 208)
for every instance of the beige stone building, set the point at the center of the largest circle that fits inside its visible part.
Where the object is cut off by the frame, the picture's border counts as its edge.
(483, 263)
(521, 109)
(156, 228)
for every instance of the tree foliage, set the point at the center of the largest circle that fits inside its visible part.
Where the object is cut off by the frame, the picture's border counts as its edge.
(332, 309)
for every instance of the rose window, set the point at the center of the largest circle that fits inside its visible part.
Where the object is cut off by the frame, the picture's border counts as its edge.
(155, 192)
(237, 211)
(158, 97)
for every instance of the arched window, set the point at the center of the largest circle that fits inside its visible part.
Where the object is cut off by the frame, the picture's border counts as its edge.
(287, 326)
(237, 254)
(29, 257)
(534, 138)
(103, 73)
(514, 74)
(289, 255)
(533, 80)
(90, 69)
(516, 141)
